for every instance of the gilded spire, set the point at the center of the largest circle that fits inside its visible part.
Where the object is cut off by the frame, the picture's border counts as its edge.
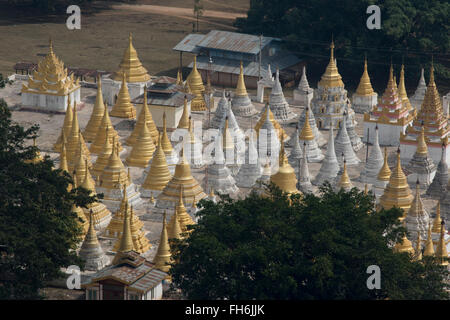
(123, 107)
(63, 157)
(285, 178)
(174, 229)
(422, 148)
(165, 142)
(163, 256)
(385, 172)
(402, 90)
(144, 116)
(126, 241)
(441, 248)
(142, 150)
(114, 173)
(72, 139)
(196, 87)
(241, 90)
(365, 87)
(185, 218)
(159, 174)
(437, 220)
(331, 77)
(131, 65)
(103, 157)
(106, 129)
(179, 77)
(95, 121)
(429, 247)
(227, 138)
(397, 192)
(274, 122)
(184, 120)
(404, 246)
(306, 133)
(345, 182)
(67, 125)
(91, 240)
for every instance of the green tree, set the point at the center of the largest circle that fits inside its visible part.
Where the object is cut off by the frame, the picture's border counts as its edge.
(3, 81)
(282, 247)
(38, 230)
(411, 30)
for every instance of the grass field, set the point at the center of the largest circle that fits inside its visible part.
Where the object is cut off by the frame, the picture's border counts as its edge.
(103, 36)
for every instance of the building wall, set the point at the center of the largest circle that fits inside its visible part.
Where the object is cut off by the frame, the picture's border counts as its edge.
(110, 90)
(228, 79)
(49, 102)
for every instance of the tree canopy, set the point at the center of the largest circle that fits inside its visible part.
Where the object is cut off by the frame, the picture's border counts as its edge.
(282, 247)
(411, 30)
(38, 230)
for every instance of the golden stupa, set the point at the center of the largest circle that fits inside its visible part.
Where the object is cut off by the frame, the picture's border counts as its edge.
(227, 139)
(51, 78)
(73, 143)
(285, 177)
(100, 212)
(196, 87)
(163, 256)
(63, 156)
(185, 116)
(95, 121)
(125, 241)
(174, 230)
(402, 91)
(114, 174)
(344, 182)
(182, 177)
(67, 125)
(142, 150)
(81, 165)
(241, 90)
(275, 123)
(306, 133)
(365, 87)
(441, 248)
(397, 192)
(184, 218)
(37, 157)
(179, 78)
(385, 172)
(429, 246)
(159, 174)
(131, 65)
(331, 78)
(437, 219)
(123, 108)
(83, 220)
(106, 129)
(115, 227)
(144, 116)
(165, 141)
(103, 157)
(404, 246)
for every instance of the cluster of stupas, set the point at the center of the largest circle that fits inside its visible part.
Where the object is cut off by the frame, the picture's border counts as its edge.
(99, 159)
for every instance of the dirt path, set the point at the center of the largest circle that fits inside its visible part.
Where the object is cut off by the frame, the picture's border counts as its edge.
(177, 12)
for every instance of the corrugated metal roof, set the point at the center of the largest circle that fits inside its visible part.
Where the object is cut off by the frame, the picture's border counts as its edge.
(233, 41)
(251, 69)
(223, 40)
(150, 280)
(189, 43)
